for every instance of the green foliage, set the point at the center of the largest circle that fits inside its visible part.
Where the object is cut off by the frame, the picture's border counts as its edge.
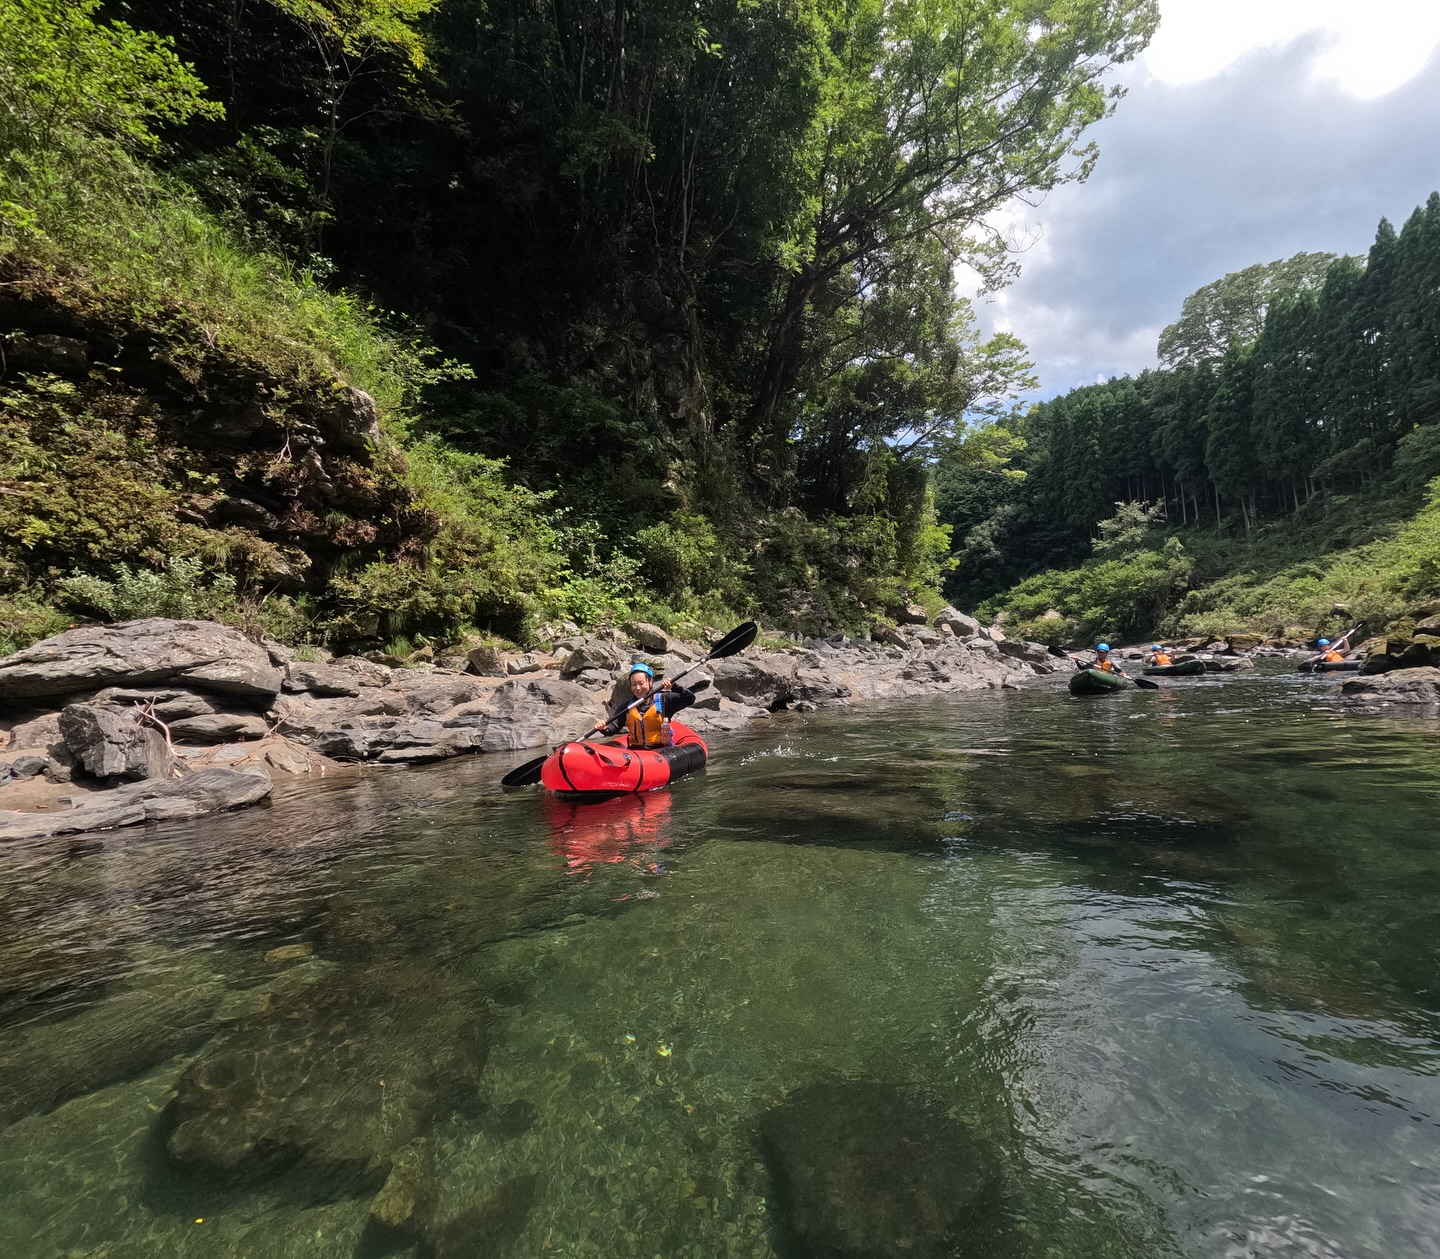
(62, 71)
(491, 558)
(700, 266)
(1120, 598)
(82, 481)
(1232, 309)
(182, 589)
(359, 27)
(25, 618)
(1123, 535)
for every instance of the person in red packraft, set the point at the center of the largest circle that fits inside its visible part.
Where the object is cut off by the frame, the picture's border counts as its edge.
(647, 721)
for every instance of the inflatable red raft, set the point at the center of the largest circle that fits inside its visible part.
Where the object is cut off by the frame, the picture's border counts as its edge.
(612, 767)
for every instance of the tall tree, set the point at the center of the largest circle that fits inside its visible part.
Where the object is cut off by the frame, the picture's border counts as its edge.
(1232, 308)
(1230, 456)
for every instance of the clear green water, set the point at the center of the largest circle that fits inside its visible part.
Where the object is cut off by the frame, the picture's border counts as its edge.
(1007, 974)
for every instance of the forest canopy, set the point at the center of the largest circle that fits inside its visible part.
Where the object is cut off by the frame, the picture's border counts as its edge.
(692, 264)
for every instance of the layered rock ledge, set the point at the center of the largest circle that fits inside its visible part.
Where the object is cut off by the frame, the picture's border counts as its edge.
(107, 725)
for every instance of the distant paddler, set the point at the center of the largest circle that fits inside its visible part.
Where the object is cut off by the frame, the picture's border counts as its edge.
(1103, 662)
(1158, 656)
(1334, 652)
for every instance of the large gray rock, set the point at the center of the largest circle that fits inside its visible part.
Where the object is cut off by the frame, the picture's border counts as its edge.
(761, 681)
(305, 717)
(208, 791)
(115, 742)
(200, 654)
(219, 728)
(535, 712)
(321, 679)
(1402, 686)
(169, 703)
(366, 672)
(595, 654)
(488, 662)
(961, 626)
(650, 637)
(432, 693)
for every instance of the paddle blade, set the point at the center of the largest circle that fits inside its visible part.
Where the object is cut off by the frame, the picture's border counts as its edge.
(526, 775)
(735, 641)
(1145, 684)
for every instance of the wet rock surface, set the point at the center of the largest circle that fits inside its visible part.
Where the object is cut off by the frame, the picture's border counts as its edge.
(213, 790)
(870, 1171)
(1398, 686)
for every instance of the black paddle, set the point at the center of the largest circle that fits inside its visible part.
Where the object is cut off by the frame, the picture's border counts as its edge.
(732, 644)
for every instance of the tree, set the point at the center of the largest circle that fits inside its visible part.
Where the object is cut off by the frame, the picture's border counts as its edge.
(1287, 393)
(61, 69)
(1230, 456)
(934, 113)
(1233, 308)
(1413, 318)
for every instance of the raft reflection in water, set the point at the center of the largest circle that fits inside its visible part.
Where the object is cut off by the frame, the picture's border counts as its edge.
(593, 832)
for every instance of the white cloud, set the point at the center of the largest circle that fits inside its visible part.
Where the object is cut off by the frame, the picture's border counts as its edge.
(1234, 147)
(1366, 49)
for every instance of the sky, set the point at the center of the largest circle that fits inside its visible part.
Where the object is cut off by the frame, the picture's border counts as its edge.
(1251, 130)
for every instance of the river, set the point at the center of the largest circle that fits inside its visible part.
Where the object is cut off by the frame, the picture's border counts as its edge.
(1002, 974)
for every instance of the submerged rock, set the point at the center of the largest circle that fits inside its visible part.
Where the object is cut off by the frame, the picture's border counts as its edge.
(46, 1063)
(330, 1084)
(870, 1171)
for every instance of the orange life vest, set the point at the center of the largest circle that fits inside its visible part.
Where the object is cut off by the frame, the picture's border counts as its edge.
(1105, 666)
(1332, 655)
(1161, 658)
(646, 725)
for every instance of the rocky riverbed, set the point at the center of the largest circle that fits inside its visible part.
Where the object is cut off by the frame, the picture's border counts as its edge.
(105, 726)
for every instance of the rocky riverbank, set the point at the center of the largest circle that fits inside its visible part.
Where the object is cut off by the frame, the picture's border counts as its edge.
(110, 725)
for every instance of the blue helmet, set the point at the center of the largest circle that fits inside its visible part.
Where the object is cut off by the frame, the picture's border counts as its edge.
(1102, 646)
(1156, 647)
(638, 667)
(1322, 642)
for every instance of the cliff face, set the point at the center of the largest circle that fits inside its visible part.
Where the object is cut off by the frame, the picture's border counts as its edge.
(127, 442)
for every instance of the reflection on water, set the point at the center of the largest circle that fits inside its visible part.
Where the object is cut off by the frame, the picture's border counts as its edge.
(1005, 975)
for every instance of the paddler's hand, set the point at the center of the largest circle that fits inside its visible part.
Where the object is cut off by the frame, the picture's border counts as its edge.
(666, 684)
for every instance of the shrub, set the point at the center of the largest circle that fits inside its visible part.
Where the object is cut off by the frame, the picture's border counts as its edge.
(182, 589)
